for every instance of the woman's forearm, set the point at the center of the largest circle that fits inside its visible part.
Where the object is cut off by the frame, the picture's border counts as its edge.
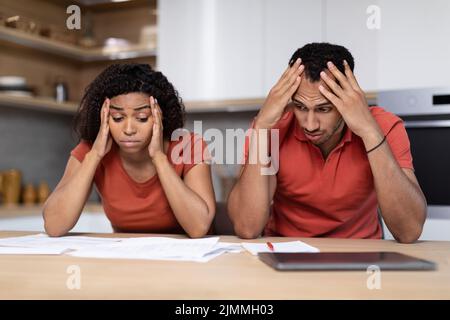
(64, 206)
(189, 208)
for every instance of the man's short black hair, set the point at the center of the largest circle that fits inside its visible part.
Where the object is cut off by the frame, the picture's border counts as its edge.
(316, 55)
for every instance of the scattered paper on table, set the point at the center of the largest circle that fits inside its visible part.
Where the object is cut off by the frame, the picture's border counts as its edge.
(291, 246)
(147, 248)
(39, 251)
(64, 243)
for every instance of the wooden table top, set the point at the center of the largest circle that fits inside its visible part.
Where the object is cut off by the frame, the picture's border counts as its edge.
(229, 276)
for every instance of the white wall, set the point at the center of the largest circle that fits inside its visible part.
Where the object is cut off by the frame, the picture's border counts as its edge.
(288, 25)
(218, 50)
(414, 44)
(211, 49)
(229, 49)
(345, 23)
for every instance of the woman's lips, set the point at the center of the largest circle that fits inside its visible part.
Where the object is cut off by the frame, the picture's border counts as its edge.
(129, 143)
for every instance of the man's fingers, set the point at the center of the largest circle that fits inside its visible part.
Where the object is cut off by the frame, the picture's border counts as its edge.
(290, 78)
(291, 90)
(339, 76)
(290, 73)
(289, 70)
(337, 90)
(332, 97)
(351, 77)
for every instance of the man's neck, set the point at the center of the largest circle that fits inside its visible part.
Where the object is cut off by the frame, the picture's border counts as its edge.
(329, 145)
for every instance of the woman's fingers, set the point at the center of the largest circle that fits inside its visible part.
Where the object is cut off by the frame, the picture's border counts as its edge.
(159, 112)
(105, 121)
(156, 116)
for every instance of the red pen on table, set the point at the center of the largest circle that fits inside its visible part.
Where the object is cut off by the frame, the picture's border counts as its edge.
(270, 246)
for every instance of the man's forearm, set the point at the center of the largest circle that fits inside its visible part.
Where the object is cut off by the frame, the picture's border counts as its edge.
(249, 201)
(402, 203)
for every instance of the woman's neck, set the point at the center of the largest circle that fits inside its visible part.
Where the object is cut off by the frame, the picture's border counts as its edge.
(137, 158)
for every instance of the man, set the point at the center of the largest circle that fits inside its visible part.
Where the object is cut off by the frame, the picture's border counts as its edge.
(339, 160)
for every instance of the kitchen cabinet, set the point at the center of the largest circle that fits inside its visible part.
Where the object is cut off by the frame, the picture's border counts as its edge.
(62, 53)
(212, 50)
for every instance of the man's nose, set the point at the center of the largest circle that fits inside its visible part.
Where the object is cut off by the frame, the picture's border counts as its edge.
(311, 124)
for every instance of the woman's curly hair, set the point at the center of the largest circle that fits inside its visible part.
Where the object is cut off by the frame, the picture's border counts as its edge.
(126, 78)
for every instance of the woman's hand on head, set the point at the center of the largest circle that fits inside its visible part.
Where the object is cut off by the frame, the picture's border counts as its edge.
(103, 142)
(156, 146)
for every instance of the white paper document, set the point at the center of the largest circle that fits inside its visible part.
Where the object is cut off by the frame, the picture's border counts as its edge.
(147, 248)
(39, 251)
(64, 243)
(291, 246)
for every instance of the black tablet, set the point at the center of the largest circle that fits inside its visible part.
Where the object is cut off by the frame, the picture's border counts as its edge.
(344, 261)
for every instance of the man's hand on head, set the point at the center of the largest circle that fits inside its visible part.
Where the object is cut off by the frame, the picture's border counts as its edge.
(350, 101)
(279, 96)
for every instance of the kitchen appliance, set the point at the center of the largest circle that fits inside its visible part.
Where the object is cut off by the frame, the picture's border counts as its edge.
(426, 115)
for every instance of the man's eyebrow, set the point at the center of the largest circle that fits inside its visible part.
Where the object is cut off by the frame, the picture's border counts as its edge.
(323, 104)
(297, 102)
(135, 109)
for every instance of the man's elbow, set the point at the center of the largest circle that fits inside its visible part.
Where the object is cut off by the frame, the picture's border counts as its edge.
(411, 236)
(246, 232)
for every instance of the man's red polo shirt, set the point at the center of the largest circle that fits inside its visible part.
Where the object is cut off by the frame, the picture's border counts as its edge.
(332, 197)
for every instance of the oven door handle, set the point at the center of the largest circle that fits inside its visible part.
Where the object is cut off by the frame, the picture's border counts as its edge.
(427, 123)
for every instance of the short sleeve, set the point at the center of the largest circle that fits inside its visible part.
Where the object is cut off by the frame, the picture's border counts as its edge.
(282, 125)
(396, 136)
(194, 151)
(398, 140)
(79, 152)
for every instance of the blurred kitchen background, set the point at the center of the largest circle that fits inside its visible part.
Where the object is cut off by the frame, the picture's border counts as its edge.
(223, 56)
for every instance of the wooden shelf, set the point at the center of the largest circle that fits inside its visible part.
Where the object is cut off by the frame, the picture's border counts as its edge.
(38, 103)
(71, 51)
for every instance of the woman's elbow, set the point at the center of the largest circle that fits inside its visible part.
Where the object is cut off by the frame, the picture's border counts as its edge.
(52, 228)
(203, 228)
(53, 231)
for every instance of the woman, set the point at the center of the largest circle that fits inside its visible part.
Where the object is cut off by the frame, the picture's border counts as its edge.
(147, 182)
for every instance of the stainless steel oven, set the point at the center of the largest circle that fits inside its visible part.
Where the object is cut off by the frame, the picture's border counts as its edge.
(426, 114)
